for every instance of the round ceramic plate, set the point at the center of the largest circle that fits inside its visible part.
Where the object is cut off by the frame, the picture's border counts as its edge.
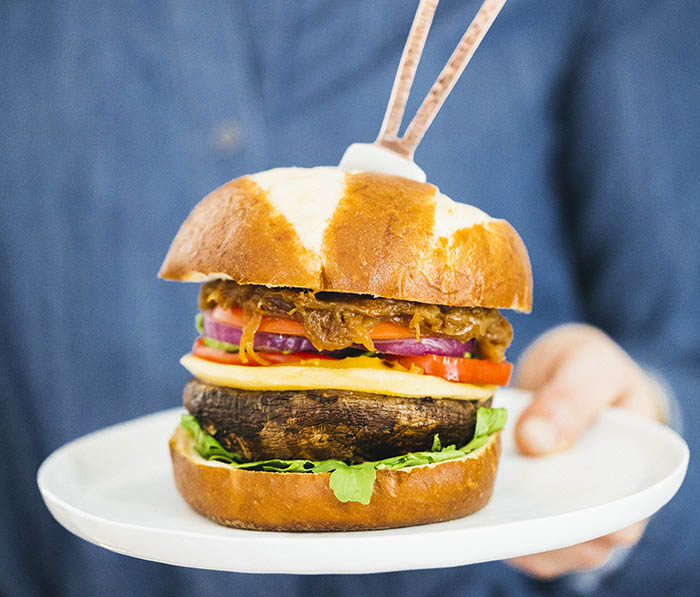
(115, 488)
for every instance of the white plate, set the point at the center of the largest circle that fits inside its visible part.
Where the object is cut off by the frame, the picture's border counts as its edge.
(114, 488)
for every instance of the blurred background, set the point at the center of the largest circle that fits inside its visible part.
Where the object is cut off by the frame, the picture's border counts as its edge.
(577, 121)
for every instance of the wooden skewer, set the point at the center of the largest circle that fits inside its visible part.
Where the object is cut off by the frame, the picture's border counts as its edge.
(407, 70)
(437, 95)
(450, 74)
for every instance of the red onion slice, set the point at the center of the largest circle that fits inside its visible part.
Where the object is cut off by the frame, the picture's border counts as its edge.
(447, 347)
(262, 340)
(285, 343)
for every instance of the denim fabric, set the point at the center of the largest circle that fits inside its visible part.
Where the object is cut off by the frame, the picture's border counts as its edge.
(577, 121)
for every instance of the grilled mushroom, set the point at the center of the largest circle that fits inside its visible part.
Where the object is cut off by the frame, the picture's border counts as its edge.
(324, 424)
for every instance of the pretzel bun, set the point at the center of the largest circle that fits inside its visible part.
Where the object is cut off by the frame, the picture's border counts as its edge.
(304, 501)
(362, 233)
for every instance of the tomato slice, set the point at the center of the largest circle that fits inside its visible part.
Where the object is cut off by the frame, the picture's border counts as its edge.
(391, 331)
(281, 325)
(272, 325)
(203, 351)
(475, 371)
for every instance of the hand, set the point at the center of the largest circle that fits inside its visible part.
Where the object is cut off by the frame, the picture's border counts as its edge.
(574, 372)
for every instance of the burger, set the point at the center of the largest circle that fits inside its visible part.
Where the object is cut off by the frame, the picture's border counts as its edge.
(350, 344)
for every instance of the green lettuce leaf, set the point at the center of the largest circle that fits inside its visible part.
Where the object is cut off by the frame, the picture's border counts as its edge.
(218, 344)
(205, 445)
(326, 466)
(488, 421)
(353, 482)
(278, 466)
(212, 342)
(418, 458)
(350, 482)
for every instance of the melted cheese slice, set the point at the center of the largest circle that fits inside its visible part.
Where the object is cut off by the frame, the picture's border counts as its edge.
(360, 374)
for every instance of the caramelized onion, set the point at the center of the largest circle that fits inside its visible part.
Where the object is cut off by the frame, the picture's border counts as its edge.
(334, 321)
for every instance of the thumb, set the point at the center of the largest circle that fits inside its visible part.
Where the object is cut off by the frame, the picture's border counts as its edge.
(584, 375)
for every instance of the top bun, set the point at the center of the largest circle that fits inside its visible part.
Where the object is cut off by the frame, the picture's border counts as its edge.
(362, 232)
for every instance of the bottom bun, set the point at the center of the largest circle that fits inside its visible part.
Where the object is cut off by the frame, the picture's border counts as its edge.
(305, 502)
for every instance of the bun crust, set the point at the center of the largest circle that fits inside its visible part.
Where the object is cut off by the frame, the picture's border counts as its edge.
(305, 502)
(362, 233)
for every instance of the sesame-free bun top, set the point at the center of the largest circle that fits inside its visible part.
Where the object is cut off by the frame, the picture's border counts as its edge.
(363, 232)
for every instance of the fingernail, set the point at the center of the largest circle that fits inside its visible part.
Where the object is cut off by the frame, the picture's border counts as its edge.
(539, 434)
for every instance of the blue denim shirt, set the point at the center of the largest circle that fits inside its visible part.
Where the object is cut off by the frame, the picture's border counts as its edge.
(577, 120)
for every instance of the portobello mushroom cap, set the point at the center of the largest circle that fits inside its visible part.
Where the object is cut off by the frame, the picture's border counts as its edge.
(325, 424)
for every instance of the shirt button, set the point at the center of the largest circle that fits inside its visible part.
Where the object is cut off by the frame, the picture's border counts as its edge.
(227, 136)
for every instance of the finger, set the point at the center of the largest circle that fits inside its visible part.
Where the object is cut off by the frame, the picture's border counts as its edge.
(588, 377)
(550, 564)
(584, 556)
(539, 361)
(625, 537)
(646, 398)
